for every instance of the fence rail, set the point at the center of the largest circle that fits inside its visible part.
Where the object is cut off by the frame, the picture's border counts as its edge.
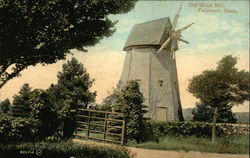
(89, 118)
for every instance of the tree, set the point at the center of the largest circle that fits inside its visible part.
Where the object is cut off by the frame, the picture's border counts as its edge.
(34, 31)
(5, 106)
(203, 113)
(44, 113)
(110, 101)
(21, 102)
(221, 88)
(71, 92)
(130, 103)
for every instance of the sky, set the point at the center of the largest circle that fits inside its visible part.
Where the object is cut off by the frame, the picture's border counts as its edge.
(220, 28)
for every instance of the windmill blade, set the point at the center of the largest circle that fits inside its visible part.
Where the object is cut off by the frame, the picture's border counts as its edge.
(176, 18)
(173, 44)
(184, 28)
(180, 39)
(163, 45)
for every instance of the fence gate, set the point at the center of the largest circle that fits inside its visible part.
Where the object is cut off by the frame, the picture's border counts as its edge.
(100, 125)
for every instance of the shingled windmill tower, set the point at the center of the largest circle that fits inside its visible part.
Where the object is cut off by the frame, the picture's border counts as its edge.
(150, 60)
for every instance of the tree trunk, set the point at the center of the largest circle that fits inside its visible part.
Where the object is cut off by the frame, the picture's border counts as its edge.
(214, 125)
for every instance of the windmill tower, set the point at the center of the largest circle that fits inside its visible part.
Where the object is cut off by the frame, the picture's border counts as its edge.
(150, 60)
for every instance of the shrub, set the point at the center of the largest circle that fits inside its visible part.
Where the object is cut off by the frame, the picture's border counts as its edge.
(157, 129)
(61, 150)
(45, 113)
(227, 130)
(130, 102)
(153, 131)
(5, 106)
(18, 129)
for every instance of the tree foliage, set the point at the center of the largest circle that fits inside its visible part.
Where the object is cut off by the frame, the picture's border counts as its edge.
(52, 111)
(71, 92)
(34, 105)
(5, 106)
(221, 88)
(44, 113)
(21, 102)
(33, 31)
(130, 103)
(203, 113)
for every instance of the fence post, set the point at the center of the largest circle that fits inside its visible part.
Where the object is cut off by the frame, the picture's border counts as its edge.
(123, 131)
(105, 125)
(88, 124)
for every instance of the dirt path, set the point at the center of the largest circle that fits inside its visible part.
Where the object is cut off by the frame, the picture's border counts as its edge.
(148, 153)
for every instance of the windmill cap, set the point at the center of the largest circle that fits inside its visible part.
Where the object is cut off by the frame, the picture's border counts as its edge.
(151, 33)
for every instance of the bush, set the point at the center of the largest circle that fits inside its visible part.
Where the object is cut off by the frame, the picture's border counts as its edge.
(5, 106)
(156, 129)
(61, 150)
(45, 113)
(130, 102)
(153, 131)
(18, 129)
(227, 130)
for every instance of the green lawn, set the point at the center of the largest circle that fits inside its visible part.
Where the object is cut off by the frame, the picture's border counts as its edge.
(233, 145)
(97, 135)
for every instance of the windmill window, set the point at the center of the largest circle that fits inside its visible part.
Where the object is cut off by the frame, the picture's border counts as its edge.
(160, 83)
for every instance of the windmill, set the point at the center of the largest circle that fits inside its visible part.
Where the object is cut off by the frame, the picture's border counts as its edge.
(150, 60)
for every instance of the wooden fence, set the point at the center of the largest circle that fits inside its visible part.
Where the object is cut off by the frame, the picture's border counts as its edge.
(98, 125)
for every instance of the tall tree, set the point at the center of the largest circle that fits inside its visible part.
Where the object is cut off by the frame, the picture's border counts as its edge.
(33, 31)
(21, 102)
(130, 102)
(221, 88)
(71, 92)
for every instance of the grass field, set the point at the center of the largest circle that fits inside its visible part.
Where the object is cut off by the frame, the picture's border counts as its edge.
(233, 145)
(97, 135)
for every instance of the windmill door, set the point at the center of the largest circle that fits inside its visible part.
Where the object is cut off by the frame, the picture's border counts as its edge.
(161, 113)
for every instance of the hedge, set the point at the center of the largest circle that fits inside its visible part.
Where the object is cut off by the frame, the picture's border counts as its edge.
(157, 129)
(13, 130)
(63, 149)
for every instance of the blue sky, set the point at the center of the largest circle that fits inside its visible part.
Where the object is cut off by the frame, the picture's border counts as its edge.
(208, 28)
(212, 36)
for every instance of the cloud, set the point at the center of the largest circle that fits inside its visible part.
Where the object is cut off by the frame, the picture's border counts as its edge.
(205, 24)
(213, 35)
(222, 44)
